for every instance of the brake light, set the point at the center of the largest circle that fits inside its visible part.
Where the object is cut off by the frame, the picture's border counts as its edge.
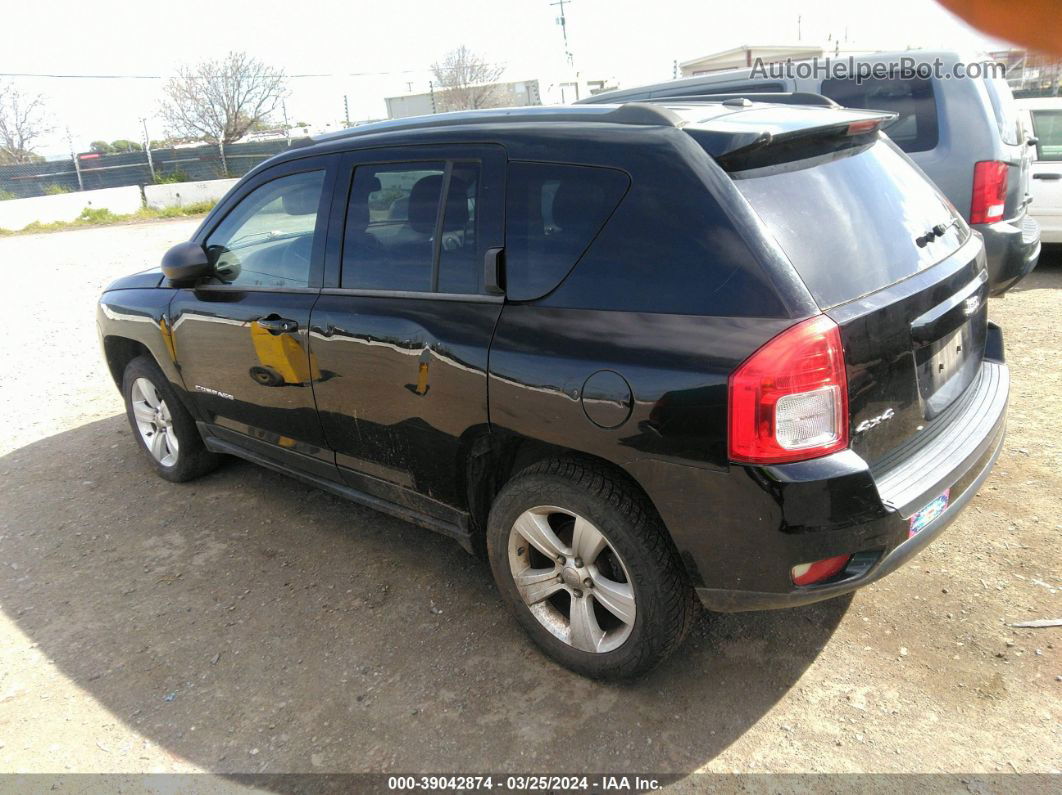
(811, 573)
(861, 127)
(789, 400)
(989, 192)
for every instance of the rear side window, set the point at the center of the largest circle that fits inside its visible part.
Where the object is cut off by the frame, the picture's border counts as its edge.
(915, 129)
(552, 213)
(1047, 125)
(1005, 110)
(849, 222)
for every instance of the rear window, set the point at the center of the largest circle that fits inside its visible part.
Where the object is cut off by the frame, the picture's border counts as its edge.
(552, 213)
(915, 128)
(1047, 125)
(849, 221)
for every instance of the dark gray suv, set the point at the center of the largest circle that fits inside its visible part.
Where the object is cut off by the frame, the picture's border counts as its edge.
(963, 133)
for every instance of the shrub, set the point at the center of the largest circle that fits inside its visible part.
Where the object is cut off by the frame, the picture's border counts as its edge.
(56, 190)
(170, 178)
(6, 194)
(98, 215)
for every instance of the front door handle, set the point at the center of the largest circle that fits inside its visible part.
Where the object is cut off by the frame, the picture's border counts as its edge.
(1047, 175)
(278, 325)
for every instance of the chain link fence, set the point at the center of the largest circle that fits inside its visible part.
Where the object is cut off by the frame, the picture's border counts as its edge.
(91, 171)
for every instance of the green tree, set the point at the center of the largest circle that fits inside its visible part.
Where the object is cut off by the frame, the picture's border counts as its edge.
(101, 148)
(124, 145)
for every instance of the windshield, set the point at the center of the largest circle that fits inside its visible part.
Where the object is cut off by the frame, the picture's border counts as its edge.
(850, 222)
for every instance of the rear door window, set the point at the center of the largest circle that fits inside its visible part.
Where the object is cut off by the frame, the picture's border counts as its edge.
(400, 235)
(915, 128)
(850, 222)
(553, 212)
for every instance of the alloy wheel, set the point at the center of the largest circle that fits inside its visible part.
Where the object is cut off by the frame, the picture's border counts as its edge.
(572, 579)
(154, 422)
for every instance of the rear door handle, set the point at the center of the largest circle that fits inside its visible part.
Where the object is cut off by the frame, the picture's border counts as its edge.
(278, 325)
(1047, 176)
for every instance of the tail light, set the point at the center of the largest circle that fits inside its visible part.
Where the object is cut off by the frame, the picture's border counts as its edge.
(789, 400)
(811, 573)
(989, 192)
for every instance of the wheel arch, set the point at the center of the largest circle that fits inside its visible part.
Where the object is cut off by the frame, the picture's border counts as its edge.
(495, 458)
(119, 351)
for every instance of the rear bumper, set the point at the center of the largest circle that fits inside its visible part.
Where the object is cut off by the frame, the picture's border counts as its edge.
(1050, 225)
(957, 459)
(1012, 249)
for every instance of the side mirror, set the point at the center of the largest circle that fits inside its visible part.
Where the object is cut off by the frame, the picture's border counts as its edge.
(186, 262)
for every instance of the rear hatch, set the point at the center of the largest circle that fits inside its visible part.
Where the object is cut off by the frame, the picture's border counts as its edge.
(889, 259)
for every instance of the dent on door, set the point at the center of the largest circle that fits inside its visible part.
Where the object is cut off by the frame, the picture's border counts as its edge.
(410, 388)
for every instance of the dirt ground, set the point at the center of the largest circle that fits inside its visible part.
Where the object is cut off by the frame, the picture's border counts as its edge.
(247, 623)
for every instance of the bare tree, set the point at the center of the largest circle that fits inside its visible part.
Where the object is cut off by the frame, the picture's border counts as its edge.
(23, 122)
(221, 100)
(465, 81)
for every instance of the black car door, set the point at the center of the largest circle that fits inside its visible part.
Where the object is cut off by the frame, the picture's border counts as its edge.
(241, 336)
(405, 321)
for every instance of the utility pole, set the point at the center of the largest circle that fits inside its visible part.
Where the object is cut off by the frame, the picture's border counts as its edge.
(346, 109)
(798, 28)
(431, 91)
(73, 156)
(562, 20)
(287, 126)
(674, 69)
(147, 148)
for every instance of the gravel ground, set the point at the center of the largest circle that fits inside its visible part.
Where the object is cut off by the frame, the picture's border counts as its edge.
(246, 623)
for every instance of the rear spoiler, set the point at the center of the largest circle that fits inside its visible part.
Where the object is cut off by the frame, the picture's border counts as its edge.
(761, 136)
(773, 97)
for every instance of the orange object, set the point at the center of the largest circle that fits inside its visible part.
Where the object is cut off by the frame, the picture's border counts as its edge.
(1036, 24)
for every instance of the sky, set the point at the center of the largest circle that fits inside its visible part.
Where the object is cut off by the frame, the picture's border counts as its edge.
(371, 50)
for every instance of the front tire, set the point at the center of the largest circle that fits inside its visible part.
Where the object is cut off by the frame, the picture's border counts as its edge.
(161, 425)
(588, 570)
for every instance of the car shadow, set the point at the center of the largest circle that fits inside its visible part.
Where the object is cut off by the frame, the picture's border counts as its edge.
(298, 633)
(1047, 274)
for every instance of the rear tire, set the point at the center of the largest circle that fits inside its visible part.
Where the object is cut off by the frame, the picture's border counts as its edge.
(617, 613)
(162, 426)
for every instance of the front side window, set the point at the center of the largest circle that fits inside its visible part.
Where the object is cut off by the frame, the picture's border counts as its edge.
(1047, 126)
(915, 128)
(401, 235)
(267, 240)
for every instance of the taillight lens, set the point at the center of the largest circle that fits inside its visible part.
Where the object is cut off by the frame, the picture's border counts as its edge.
(989, 192)
(789, 400)
(811, 573)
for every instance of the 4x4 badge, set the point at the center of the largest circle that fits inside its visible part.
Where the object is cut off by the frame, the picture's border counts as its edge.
(866, 425)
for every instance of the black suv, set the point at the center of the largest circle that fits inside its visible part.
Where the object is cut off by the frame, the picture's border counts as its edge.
(635, 354)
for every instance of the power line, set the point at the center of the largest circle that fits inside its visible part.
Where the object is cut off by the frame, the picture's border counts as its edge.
(197, 77)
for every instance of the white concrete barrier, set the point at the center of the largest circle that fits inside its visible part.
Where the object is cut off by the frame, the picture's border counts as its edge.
(18, 213)
(179, 194)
